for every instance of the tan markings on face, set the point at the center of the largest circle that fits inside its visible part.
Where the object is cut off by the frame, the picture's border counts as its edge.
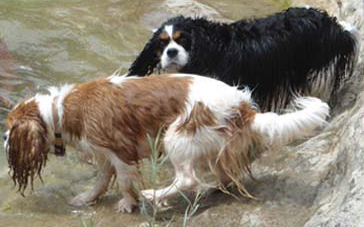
(164, 36)
(120, 117)
(176, 35)
(200, 116)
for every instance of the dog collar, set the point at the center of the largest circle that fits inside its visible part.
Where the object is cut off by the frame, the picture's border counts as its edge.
(59, 148)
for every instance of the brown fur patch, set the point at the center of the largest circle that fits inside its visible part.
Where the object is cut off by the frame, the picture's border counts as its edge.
(27, 144)
(200, 116)
(118, 117)
(164, 36)
(242, 148)
(244, 117)
(25, 108)
(176, 35)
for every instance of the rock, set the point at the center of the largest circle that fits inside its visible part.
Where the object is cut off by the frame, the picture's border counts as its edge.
(340, 193)
(171, 8)
(318, 182)
(190, 8)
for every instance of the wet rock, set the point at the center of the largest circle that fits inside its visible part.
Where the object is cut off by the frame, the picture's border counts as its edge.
(320, 181)
(169, 8)
(191, 8)
(317, 183)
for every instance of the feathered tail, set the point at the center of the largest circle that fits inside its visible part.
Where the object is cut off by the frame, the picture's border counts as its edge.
(278, 130)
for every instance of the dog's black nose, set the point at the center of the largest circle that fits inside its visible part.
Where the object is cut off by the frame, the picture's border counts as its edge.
(5, 137)
(172, 52)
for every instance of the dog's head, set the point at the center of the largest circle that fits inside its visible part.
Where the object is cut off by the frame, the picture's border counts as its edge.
(169, 48)
(26, 143)
(175, 44)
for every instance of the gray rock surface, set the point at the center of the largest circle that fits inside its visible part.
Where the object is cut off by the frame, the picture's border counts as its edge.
(319, 182)
(337, 160)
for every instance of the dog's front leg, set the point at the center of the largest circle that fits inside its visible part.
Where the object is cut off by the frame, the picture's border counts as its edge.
(105, 171)
(129, 199)
(125, 175)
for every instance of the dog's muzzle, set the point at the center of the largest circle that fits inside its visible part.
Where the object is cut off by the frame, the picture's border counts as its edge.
(174, 57)
(172, 53)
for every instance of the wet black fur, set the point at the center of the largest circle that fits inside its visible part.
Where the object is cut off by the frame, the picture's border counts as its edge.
(274, 55)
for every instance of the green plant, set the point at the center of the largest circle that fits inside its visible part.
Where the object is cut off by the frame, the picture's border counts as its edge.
(156, 164)
(192, 206)
(91, 221)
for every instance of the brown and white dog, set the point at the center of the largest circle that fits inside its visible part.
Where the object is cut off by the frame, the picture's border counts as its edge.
(206, 124)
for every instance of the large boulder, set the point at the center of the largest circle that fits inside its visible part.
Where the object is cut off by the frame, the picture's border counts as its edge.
(335, 158)
(319, 182)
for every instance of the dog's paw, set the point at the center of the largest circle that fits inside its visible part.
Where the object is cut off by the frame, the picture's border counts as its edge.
(152, 196)
(82, 199)
(125, 205)
(149, 194)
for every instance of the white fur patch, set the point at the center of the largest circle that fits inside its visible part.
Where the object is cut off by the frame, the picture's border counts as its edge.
(308, 114)
(63, 92)
(218, 96)
(29, 100)
(347, 26)
(221, 99)
(6, 142)
(118, 80)
(169, 30)
(45, 102)
(177, 61)
(45, 108)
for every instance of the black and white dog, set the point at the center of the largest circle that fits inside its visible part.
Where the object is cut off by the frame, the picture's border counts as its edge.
(297, 51)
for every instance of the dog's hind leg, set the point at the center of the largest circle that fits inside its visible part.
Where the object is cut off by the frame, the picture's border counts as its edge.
(104, 174)
(184, 180)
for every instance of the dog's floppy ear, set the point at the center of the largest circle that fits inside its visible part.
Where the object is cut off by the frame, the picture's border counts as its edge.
(27, 151)
(147, 60)
(194, 44)
(200, 55)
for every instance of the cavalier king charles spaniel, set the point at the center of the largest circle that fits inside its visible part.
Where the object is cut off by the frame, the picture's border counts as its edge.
(300, 50)
(206, 124)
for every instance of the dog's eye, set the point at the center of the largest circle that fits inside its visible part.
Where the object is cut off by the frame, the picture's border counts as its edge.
(181, 39)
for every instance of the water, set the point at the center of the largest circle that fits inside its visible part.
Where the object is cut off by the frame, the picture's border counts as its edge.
(49, 42)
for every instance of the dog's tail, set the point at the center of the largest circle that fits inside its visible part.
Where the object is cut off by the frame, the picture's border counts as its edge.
(307, 114)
